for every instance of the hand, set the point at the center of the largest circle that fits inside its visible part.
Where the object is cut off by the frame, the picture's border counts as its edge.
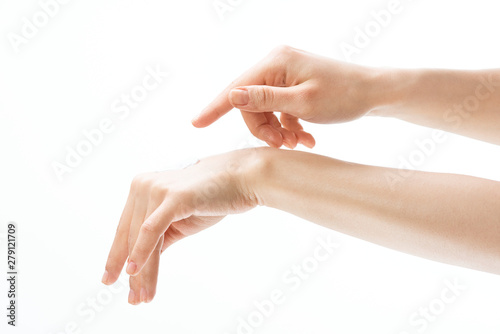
(299, 85)
(165, 207)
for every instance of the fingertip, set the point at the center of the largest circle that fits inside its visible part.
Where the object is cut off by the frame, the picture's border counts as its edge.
(312, 141)
(149, 296)
(197, 121)
(306, 139)
(132, 268)
(206, 117)
(271, 136)
(105, 278)
(290, 140)
(309, 143)
(111, 273)
(194, 122)
(144, 295)
(132, 297)
(287, 144)
(275, 142)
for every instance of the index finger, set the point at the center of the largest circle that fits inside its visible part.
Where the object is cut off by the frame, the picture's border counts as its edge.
(221, 105)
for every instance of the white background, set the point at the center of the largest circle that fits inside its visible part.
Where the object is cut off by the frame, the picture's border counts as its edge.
(65, 79)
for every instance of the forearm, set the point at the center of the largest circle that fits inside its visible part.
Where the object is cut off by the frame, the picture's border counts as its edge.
(464, 102)
(448, 218)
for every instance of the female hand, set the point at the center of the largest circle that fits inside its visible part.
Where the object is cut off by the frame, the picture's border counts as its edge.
(299, 85)
(165, 207)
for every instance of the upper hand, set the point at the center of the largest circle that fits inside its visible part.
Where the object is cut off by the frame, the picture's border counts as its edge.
(299, 85)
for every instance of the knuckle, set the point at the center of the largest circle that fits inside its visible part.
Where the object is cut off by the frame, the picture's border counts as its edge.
(282, 49)
(281, 55)
(263, 97)
(137, 182)
(157, 190)
(184, 202)
(134, 184)
(147, 181)
(149, 228)
(306, 98)
(307, 95)
(182, 197)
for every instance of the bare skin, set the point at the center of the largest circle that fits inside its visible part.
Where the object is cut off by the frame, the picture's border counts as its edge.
(301, 85)
(450, 218)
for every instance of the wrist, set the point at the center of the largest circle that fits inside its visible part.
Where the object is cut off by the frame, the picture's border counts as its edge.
(257, 172)
(390, 89)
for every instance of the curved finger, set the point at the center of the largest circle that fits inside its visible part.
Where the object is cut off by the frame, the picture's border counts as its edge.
(259, 126)
(221, 105)
(134, 295)
(149, 235)
(137, 283)
(182, 228)
(292, 123)
(289, 138)
(172, 235)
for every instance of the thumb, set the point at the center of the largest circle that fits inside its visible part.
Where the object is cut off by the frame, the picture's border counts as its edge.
(266, 98)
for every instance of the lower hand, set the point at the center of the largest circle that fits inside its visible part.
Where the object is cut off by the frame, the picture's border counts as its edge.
(165, 207)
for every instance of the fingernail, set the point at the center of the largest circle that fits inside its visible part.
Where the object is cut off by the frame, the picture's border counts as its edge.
(131, 268)
(144, 295)
(131, 297)
(195, 118)
(239, 97)
(105, 277)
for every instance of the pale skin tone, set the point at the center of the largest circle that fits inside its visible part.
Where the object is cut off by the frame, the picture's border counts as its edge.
(450, 218)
